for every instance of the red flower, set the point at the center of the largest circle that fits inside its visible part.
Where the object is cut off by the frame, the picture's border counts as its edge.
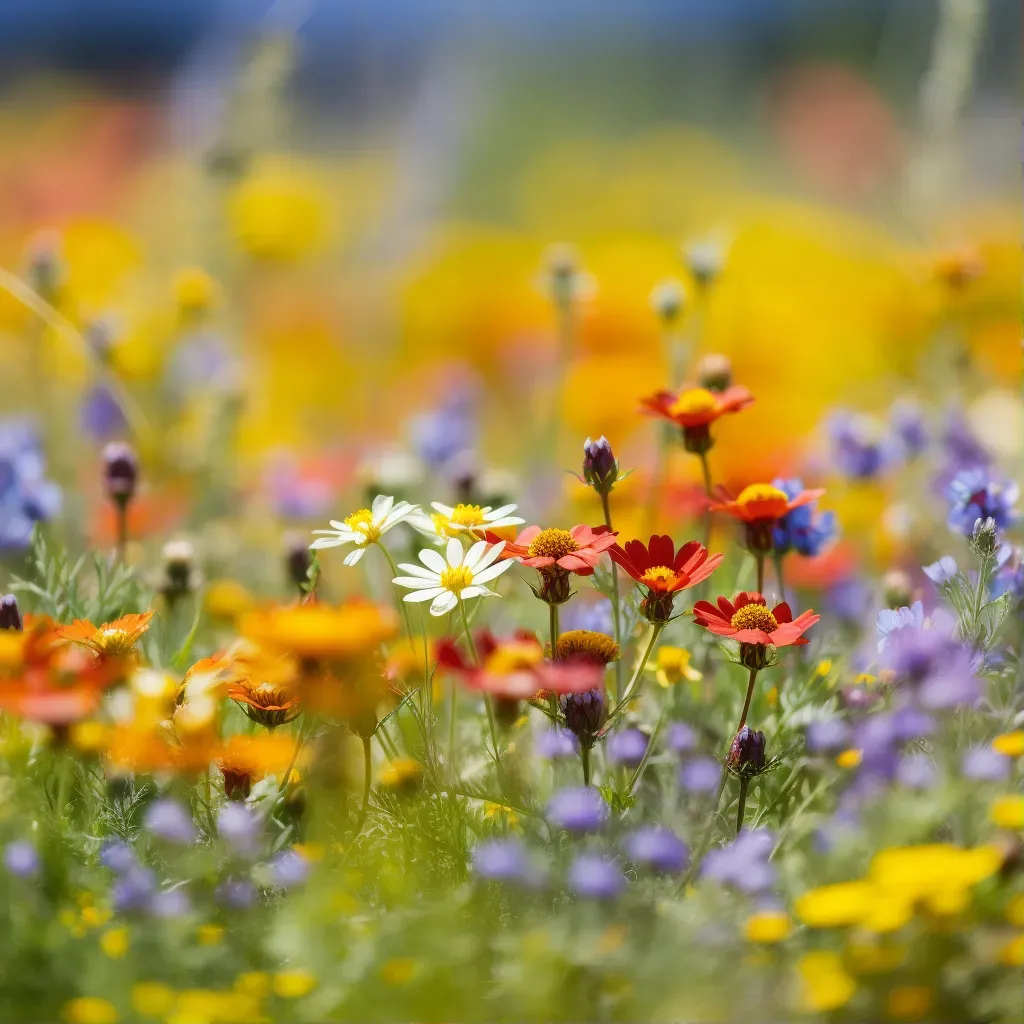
(697, 407)
(577, 550)
(664, 571)
(749, 621)
(515, 669)
(759, 507)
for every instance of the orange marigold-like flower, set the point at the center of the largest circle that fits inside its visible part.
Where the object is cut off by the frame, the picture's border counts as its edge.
(694, 409)
(265, 702)
(111, 639)
(759, 507)
(244, 760)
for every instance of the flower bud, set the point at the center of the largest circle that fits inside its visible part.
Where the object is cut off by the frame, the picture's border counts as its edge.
(179, 569)
(10, 617)
(297, 558)
(584, 714)
(120, 471)
(897, 589)
(704, 260)
(714, 371)
(985, 537)
(746, 753)
(667, 299)
(600, 467)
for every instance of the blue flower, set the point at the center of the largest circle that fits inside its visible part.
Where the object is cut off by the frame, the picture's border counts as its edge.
(941, 571)
(983, 764)
(289, 869)
(909, 429)
(701, 775)
(594, 615)
(236, 893)
(444, 434)
(858, 449)
(744, 862)
(892, 620)
(240, 828)
(627, 747)
(657, 847)
(595, 877)
(170, 821)
(680, 738)
(979, 494)
(581, 809)
(101, 414)
(557, 743)
(26, 496)
(21, 859)
(801, 530)
(504, 860)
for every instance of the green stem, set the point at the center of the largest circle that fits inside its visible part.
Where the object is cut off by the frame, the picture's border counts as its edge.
(122, 529)
(606, 508)
(759, 558)
(656, 628)
(705, 469)
(746, 703)
(469, 635)
(778, 575)
(427, 690)
(744, 783)
(403, 607)
(585, 759)
(367, 782)
(553, 629)
(295, 756)
(452, 718)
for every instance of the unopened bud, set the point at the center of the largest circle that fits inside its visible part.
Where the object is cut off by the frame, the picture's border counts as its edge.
(297, 558)
(179, 569)
(120, 471)
(714, 371)
(746, 754)
(704, 260)
(10, 616)
(584, 714)
(600, 467)
(985, 537)
(668, 298)
(897, 589)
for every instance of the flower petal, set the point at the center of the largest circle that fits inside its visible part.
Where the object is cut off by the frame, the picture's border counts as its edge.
(425, 595)
(433, 559)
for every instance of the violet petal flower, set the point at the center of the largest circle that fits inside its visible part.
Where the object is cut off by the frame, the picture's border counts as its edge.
(657, 847)
(581, 809)
(595, 877)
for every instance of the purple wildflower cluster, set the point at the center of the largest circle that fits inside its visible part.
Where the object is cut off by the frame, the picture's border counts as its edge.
(26, 496)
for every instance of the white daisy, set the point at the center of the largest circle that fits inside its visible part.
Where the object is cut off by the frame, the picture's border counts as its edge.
(449, 521)
(456, 577)
(364, 527)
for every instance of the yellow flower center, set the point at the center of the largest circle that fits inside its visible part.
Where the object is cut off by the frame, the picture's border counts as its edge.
(362, 522)
(552, 543)
(456, 578)
(468, 515)
(754, 616)
(442, 525)
(513, 658)
(597, 647)
(696, 400)
(658, 574)
(754, 493)
(267, 695)
(115, 641)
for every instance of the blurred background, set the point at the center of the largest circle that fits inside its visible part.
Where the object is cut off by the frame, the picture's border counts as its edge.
(294, 250)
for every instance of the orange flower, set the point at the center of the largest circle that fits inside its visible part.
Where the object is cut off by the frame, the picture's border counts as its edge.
(244, 760)
(759, 506)
(695, 409)
(264, 702)
(112, 639)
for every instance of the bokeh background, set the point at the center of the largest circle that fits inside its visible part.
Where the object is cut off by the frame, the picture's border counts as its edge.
(294, 250)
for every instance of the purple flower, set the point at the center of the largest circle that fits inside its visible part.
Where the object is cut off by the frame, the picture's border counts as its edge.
(858, 448)
(595, 877)
(503, 860)
(850, 600)
(909, 429)
(700, 775)
(294, 494)
(744, 862)
(118, 856)
(441, 436)
(202, 360)
(802, 530)
(170, 821)
(289, 869)
(961, 448)
(580, 809)
(240, 828)
(557, 743)
(627, 747)
(979, 494)
(983, 764)
(170, 903)
(26, 496)
(916, 771)
(680, 738)
(101, 414)
(657, 847)
(893, 620)
(1009, 576)
(21, 859)
(941, 571)
(827, 735)
(594, 614)
(236, 893)
(133, 889)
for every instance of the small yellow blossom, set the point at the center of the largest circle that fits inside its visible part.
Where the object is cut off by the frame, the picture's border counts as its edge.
(90, 1010)
(227, 599)
(152, 999)
(773, 697)
(114, 942)
(497, 811)
(849, 758)
(93, 917)
(210, 934)
(89, 737)
(294, 984)
(1015, 910)
(611, 939)
(1008, 812)
(768, 926)
(399, 971)
(403, 773)
(823, 668)
(253, 983)
(194, 290)
(909, 1002)
(865, 679)
(1012, 953)
(672, 666)
(825, 983)
(313, 853)
(1010, 743)
(833, 906)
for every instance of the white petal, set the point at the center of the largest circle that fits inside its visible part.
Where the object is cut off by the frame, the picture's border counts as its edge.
(493, 552)
(401, 511)
(425, 595)
(353, 556)
(445, 510)
(419, 571)
(507, 521)
(416, 582)
(493, 572)
(424, 524)
(474, 554)
(381, 506)
(432, 560)
(445, 602)
(475, 591)
(499, 513)
(453, 553)
(326, 542)
(337, 525)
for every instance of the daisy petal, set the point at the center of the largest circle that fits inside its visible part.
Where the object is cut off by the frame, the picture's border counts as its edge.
(444, 602)
(453, 553)
(425, 595)
(474, 554)
(432, 560)
(491, 572)
(325, 542)
(353, 556)
(416, 582)
(381, 506)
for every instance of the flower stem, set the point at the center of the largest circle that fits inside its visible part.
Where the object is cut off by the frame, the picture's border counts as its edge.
(759, 559)
(427, 692)
(300, 740)
(616, 622)
(585, 760)
(746, 703)
(367, 781)
(553, 628)
(404, 608)
(742, 804)
(122, 529)
(656, 628)
(778, 575)
(487, 697)
(705, 469)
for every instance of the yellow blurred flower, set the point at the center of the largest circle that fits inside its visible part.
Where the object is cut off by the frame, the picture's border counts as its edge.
(210, 934)
(227, 599)
(253, 983)
(909, 1002)
(1012, 953)
(294, 984)
(114, 942)
(849, 758)
(1008, 812)
(825, 984)
(90, 1010)
(152, 998)
(89, 737)
(672, 665)
(1010, 743)
(1015, 910)
(833, 906)
(768, 926)
(403, 773)
(194, 290)
(823, 668)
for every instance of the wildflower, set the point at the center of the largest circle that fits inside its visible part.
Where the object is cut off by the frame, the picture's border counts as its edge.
(680, 738)
(557, 553)
(120, 472)
(890, 621)
(111, 639)
(170, 903)
(600, 467)
(555, 743)
(294, 984)
(767, 927)
(133, 889)
(657, 847)
(564, 281)
(663, 572)
(240, 828)
(475, 521)
(759, 507)
(90, 1010)
(227, 599)
(1011, 744)
(827, 734)
(244, 760)
(909, 429)
(169, 820)
(152, 999)
(668, 298)
(628, 747)
(589, 611)
(587, 646)
(10, 616)
(916, 771)
(117, 855)
(364, 527)
(26, 496)
(756, 629)
(265, 702)
(978, 494)
(941, 571)
(859, 449)
(21, 859)
(694, 409)
(289, 869)
(1008, 812)
(580, 809)
(801, 530)
(178, 570)
(503, 860)
(983, 764)
(584, 715)
(595, 877)
(297, 559)
(402, 775)
(744, 862)
(746, 752)
(714, 372)
(236, 893)
(444, 435)
(194, 290)
(672, 665)
(704, 258)
(114, 942)
(457, 577)
(825, 984)
(700, 775)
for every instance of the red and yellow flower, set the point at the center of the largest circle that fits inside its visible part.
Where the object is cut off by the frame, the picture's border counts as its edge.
(759, 507)
(663, 571)
(694, 409)
(115, 639)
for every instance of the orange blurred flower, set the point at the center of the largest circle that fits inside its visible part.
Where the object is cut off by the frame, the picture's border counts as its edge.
(244, 760)
(111, 639)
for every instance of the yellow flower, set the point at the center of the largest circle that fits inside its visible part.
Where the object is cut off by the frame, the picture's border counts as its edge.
(312, 853)
(294, 984)
(253, 983)
(1008, 812)
(227, 599)
(114, 942)
(849, 758)
(920, 871)
(210, 934)
(1010, 743)
(194, 290)
(768, 926)
(825, 983)
(316, 631)
(1015, 910)
(909, 1002)
(89, 737)
(673, 665)
(494, 810)
(93, 917)
(403, 774)
(823, 668)
(399, 971)
(833, 906)
(90, 1010)
(773, 697)
(152, 998)
(1012, 954)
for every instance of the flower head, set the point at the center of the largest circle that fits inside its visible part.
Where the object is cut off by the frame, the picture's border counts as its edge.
(587, 646)
(801, 530)
(749, 621)
(557, 554)
(26, 496)
(663, 571)
(672, 665)
(746, 753)
(21, 858)
(628, 747)
(584, 714)
(600, 467)
(694, 409)
(744, 862)
(657, 847)
(115, 639)
(458, 576)
(580, 809)
(595, 877)
(120, 471)
(10, 616)
(979, 494)
(474, 521)
(504, 860)
(364, 527)
(859, 448)
(265, 701)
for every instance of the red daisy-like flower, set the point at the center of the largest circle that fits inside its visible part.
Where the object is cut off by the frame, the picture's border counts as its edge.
(749, 621)
(697, 407)
(664, 571)
(759, 507)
